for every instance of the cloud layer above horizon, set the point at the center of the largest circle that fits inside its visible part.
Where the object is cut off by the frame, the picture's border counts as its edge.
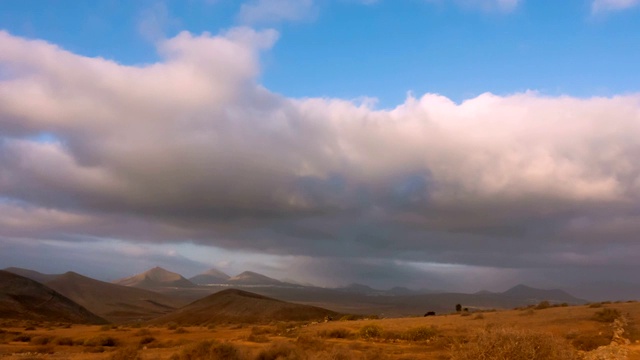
(193, 149)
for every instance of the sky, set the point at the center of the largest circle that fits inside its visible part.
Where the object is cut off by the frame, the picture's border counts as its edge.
(456, 145)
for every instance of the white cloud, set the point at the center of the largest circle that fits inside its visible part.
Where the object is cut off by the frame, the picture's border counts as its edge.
(193, 149)
(602, 6)
(272, 11)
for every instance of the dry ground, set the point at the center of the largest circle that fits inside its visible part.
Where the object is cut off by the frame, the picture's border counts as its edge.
(436, 337)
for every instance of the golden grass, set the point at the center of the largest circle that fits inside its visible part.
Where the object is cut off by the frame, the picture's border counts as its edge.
(563, 330)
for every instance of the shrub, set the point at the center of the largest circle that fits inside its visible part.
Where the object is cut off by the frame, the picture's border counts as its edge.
(127, 353)
(101, 341)
(40, 340)
(22, 338)
(29, 328)
(420, 333)
(340, 353)
(226, 351)
(543, 305)
(478, 317)
(370, 332)
(350, 317)
(513, 344)
(209, 350)
(527, 312)
(257, 338)
(339, 333)
(282, 351)
(595, 305)
(308, 342)
(606, 315)
(180, 331)
(172, 326)
(64, 341)
(589, 342)
(147, 340)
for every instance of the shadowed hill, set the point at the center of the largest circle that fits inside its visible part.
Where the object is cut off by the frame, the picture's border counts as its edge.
(252, 278)
(534, 295)
(211, 276)
(32, 274)
(113, 302)
(156, 278)
(25, 299)
(243, 307)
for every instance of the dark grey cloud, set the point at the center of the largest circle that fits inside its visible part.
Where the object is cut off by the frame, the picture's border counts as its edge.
(193, 150)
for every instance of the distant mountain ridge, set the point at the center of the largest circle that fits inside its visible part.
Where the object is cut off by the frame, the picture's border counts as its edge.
(211, 276)
(536, 295)
(156, 278)
(252, 278)
(116, 303)
(32, 274)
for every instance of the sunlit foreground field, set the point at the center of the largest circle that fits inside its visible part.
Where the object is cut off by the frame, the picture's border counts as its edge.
(595, 331)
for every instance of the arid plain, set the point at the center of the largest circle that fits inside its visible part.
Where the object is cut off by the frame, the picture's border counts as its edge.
(97, 320)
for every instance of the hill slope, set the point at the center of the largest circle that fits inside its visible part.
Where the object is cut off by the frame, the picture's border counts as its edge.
(113, 302)
(25, 299)
(155, 278)
(243, 307)
(32, 274)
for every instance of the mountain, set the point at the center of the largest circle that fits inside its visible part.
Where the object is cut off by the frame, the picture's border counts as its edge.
(610, 290)
(534, 295)
(211, 276)
(31, 274)
(155, 278)
(115, 303)
(25, 299)
(360, 289)
(252, 278)
(238, 306)
(400, 290)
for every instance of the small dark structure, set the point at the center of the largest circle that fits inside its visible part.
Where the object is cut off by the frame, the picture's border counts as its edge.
(430, 313)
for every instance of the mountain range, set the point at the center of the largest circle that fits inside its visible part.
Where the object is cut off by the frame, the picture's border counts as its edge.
(160, 294)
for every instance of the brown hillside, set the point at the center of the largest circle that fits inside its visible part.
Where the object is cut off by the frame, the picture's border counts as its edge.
(115, 303)
(243, 307)
(25, 299)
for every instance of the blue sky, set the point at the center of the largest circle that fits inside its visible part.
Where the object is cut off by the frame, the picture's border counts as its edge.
(449, 144)
(384, 49)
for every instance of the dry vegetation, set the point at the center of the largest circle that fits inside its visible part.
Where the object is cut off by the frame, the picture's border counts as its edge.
(540, 332)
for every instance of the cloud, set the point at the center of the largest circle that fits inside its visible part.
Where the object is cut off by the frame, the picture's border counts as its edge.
(192, 149)
(273, 11)
(603, 6)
